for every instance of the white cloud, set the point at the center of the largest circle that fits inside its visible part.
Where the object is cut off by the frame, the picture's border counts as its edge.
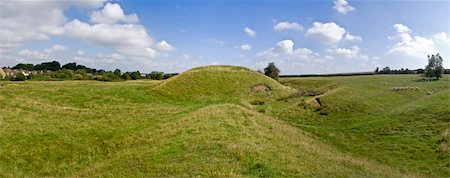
(113, 36)
(249, 32)
(342, 6)
(286, 48)
(350, 37)
(349, 53)
(111, 14)
(246, 47)
(164, 46)
(42, 54)
(129, 45)
(416, 46)
(59, 48)
(287, 26)
(400, 28)
(327, 33)
(441, 37)
(22, 21)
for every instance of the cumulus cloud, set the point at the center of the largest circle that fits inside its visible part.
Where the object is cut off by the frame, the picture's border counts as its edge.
(106, 35)
(280, 26)
(246, 47)
(164, 46)
(353, 52)
(42, 54)
(330, 33)
(23, 21)
(408, 45)
(249, 32)
(342, 6)
(441, 37)
(400, 28)
(286, 48)
(129, 43)
(111, 14)
(327, 33)
(350, 37)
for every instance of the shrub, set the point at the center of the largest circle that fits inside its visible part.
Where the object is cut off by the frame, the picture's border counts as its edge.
(155, 75)
(272, 71)
(19, 77)
(78, 77)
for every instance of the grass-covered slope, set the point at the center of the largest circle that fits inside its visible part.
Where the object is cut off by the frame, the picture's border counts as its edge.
(363, 115)
(128, 129)
(228, 140)
(124, 129)
(217, 81)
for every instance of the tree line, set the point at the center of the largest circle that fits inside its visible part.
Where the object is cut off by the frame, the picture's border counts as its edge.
(72, 71)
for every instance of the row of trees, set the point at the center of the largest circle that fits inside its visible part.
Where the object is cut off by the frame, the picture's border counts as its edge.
(434, 68)
(71, 71)
(388, 70)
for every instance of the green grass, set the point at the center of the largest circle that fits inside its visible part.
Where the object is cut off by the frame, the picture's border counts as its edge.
(133, 129)
(218, 83)
(366, 118)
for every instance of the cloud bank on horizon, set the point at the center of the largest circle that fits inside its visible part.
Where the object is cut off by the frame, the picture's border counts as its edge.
(300, 37)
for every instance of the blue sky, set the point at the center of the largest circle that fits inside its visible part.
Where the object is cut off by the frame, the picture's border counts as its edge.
(301, 37)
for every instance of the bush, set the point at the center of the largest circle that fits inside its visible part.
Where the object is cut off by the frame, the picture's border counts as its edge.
(19, 77)
(64, 74)
(99, 77)
(272, 71)
(78, 77)
(155, 75)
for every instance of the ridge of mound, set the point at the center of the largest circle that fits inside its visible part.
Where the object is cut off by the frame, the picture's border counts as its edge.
(219, 81)
(228, 140)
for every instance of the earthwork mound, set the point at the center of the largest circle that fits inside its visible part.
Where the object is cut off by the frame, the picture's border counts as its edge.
(218, 81)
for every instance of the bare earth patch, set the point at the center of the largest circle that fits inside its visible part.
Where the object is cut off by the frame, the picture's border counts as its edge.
(260, 88)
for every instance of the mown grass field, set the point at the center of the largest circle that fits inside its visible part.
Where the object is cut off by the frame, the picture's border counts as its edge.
(128, 129)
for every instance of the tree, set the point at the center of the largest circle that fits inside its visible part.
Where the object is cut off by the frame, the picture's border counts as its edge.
(53, 66)
(135, 75)
(377, 70)
(434, 67)
(126, 76)
(71, 66)
(386, 70)
(28, 67)
(155, 75)
(117, 72)
(272, 71)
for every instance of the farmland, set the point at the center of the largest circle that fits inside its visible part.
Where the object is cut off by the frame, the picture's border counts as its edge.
(206, 123)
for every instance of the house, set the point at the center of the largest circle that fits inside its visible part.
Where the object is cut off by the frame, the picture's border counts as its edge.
(2, 74)
(8, 72)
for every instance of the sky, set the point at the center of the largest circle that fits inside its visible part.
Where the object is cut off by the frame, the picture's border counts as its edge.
(300, 37)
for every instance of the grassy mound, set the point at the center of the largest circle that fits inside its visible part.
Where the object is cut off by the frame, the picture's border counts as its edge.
(218, 81)
(228, 140)
(365, 116)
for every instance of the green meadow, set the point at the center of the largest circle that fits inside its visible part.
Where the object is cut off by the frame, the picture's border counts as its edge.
(214, 122)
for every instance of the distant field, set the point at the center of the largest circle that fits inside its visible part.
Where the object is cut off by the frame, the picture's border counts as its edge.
(133, 128)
